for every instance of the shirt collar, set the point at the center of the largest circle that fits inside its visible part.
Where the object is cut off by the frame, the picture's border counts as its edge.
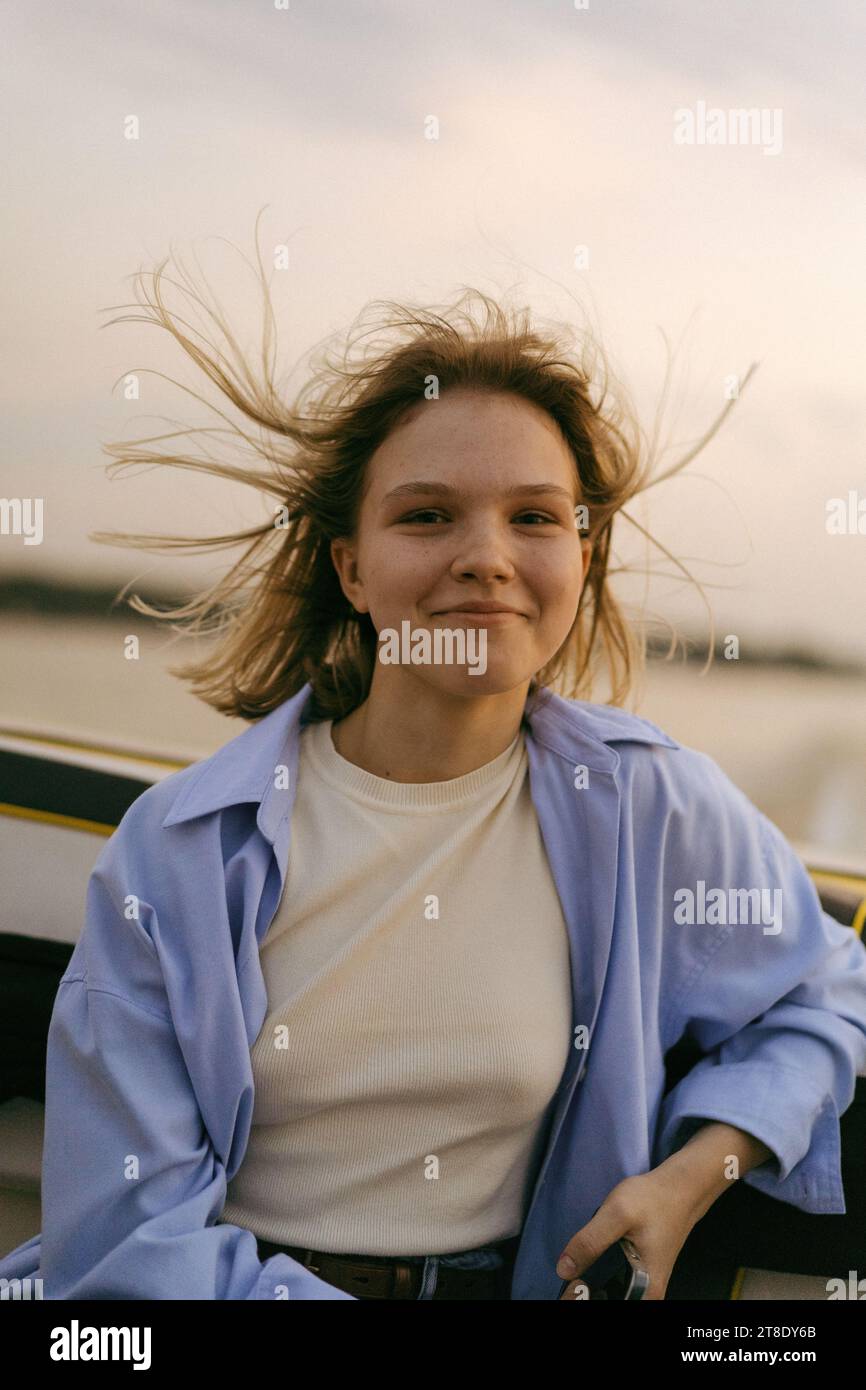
(244, 769)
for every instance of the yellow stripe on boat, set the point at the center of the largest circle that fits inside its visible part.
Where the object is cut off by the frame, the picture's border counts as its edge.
(94, 827)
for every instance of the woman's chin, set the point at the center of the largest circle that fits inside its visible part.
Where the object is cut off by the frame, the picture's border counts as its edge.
(496, 679)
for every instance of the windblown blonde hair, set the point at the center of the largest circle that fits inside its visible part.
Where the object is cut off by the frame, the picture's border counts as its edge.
(280, 610)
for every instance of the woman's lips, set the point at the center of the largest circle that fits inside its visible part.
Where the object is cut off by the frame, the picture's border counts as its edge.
(478, 619)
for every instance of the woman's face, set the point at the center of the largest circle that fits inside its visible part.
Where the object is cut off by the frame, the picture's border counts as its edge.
(471, 499)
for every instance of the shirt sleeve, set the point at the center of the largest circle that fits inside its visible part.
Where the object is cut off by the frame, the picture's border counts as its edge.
(132, 1187)
(777, 1005)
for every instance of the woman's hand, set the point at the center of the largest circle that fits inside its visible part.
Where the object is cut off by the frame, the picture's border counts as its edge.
(655, 1213)
(657, 1210)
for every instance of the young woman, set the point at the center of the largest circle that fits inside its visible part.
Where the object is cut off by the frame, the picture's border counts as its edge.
(375, 1001)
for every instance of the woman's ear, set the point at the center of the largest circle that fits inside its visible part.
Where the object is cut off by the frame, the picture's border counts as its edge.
(345, 563)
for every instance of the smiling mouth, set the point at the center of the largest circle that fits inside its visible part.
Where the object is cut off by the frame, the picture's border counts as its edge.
(479, 618)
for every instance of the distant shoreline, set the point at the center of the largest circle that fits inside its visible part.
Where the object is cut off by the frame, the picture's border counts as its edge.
(100, 603)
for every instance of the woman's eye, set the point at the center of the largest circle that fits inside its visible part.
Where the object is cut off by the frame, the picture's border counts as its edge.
(431, 511)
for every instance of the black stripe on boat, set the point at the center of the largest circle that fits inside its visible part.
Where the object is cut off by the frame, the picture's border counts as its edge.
(36, 783)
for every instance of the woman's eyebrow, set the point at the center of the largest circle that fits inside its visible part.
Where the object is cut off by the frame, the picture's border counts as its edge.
(445, 490)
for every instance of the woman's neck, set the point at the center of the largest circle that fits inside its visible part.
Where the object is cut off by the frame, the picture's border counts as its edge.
(425, 740)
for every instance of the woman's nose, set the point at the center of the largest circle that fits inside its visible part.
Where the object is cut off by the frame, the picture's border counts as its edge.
(485, 551)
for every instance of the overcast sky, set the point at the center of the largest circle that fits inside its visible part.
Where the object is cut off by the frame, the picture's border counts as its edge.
(556, 130)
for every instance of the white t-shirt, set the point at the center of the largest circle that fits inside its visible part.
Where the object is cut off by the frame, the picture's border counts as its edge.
(419, 1013)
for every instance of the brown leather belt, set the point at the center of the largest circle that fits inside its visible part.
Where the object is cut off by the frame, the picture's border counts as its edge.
(382, 1276)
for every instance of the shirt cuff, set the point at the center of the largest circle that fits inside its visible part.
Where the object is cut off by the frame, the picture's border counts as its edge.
(785, 1110)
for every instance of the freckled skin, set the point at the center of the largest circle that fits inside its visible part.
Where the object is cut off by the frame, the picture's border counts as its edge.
(415, 556)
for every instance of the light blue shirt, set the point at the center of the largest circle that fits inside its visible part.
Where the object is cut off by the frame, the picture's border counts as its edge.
(687, 913)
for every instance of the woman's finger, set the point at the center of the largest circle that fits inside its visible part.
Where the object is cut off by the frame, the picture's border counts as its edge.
(611, 1221)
